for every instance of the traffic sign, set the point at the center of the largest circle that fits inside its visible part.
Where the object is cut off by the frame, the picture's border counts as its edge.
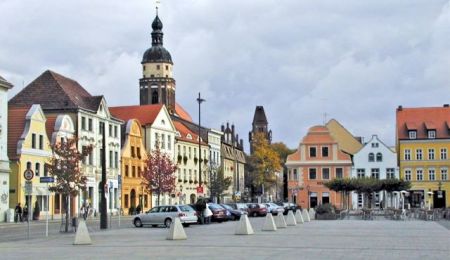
(47, 179)
(200, 190)
(28, 174)
(28, 187)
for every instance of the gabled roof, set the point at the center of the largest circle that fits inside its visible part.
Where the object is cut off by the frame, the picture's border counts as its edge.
(184, 132)
(423, 119)
(347, 142)
(183, 114)
(146, 114)
(56, 92)
(4, 83)
(16, 125)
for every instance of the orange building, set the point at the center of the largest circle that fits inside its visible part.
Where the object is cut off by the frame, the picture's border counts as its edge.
(318, 159)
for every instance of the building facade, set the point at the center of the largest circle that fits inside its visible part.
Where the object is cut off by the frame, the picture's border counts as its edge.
(375, 160)
(4, 160)
(318, 159)
(423, 144)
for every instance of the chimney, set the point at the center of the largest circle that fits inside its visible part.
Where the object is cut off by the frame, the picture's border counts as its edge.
(400, 108)
(242, 144)
(445, 105)
(232, 134)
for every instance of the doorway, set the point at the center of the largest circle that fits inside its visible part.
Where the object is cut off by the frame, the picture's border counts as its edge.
(439, 199)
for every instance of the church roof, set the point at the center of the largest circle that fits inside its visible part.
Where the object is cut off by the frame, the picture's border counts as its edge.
(260, 116)
(182, 113)
(54, 91)
(157, 53)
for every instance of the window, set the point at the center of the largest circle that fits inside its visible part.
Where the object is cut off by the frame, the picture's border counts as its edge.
(390, 173)
(325, 151)
(430, 154)
(408, 175)
(167, 67)
(184, 174)
(83, 149)
(110, 159)
(312, 174)
(138, 151)
(379, 157)
(375, 173)
(339, 173)
(407, 154)
(412, 134)
(312, 151)
(91, 158)
(45, 170)
(133, 171)
(295, 175)
(127, 170)
(37, 169)
(139, 172)
(33, 141)
(419, 174)
(116, 160)
(325, 173)
(110, 130)
(126, 200)
(158, 67)
(184, 150)
(190, 155)
(90, 124)
(156, 140)
(444, 175)
(169, 142)
(419, 154)
(83, 123)
(431, 175)
(132, 152)
(374, 145)
(443, 154)
(163, 140)
(371, 157)
(179, 174)
(115, 131)
(190, 174)
(431, 134)
(41, 142)
(360, 173)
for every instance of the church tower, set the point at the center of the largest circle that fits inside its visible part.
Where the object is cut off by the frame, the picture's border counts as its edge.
(157, 85)
(259, 125)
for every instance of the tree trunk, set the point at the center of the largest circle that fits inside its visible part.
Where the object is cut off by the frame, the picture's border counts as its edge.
(66, 206)
(158, 198)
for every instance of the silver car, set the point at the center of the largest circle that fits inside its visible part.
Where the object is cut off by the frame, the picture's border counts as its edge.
(274, 208)
(165, 215)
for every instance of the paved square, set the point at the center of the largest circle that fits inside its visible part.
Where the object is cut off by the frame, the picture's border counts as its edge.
(341, 239)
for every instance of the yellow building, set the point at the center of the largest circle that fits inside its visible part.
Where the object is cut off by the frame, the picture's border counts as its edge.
(29, 150)
(133, 163)
(423, 143)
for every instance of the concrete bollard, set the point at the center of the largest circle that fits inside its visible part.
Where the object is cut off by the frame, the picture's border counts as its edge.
(298, 216)
(279, 221)
(312, 214)
(176, 231)
(290, 219)
(243, 226)
(305, 215)
(269, 223)
(82, 236)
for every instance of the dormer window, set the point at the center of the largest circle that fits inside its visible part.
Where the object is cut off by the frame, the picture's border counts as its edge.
(431, 134)
(412, 134)
(178, 134)
(189, 136)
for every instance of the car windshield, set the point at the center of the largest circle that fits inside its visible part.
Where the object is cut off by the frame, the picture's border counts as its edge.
(241, 206)
(262, 206)
(186, 208)
(214, 206)
(226, 206)
(153, 210)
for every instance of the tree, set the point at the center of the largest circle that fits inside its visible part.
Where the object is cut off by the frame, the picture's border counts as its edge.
(65, 167)
(264, 162)
(158, 177)
(283, 151)
(218, 184)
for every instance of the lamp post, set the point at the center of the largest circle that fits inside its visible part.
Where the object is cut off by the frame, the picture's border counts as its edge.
(307, 188)
(199, 100)
(430, 193)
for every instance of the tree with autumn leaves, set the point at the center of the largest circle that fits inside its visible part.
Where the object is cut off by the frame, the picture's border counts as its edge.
(65, 167)
(158, 176)
(264, 163)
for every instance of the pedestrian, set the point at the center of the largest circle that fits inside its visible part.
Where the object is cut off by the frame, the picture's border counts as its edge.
(200, 206)
(207, 213)
(25, 213)
(18, 213)
(138, 209)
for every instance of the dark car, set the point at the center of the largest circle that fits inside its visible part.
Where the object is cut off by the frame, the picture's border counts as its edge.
(289, 206)
(219, 212)
(257, 209)
(235, 214)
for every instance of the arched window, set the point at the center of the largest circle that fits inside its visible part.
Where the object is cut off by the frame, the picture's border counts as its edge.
(155, 96)
(371, 157)
(379, 157)
(37, 169)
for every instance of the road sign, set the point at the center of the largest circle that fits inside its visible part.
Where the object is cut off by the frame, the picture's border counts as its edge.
(28, 174)
(28, 187)
(47, 179)
(200, 190)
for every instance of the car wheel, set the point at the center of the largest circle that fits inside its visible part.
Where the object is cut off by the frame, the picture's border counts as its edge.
(137, 223)
(167, 222)
(255, 214)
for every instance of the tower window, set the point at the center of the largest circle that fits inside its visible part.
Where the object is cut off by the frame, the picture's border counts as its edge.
(155, 97)
(158, 67)
(144, 67)
(167, 67)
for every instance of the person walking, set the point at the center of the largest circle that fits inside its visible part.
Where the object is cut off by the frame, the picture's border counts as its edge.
(25, 213)
(18, 213)
(207, 213)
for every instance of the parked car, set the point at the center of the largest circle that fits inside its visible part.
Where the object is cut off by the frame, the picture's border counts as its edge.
(289, 206)
(257, 209)
(219, 212)
(235, 214)
(165, 215)
(239, 206)
(274, 208)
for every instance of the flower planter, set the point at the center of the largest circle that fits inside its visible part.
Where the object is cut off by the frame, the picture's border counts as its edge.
(326, 216)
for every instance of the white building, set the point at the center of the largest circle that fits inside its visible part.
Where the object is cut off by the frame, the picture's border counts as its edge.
(376, 160)
(4, 161)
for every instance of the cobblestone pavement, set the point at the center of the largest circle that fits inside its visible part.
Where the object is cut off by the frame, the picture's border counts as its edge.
(340, 239)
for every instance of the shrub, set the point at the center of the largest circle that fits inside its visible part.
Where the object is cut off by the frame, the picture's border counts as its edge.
(325, 208)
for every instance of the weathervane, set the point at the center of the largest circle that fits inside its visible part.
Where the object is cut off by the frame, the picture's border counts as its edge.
(157, 3)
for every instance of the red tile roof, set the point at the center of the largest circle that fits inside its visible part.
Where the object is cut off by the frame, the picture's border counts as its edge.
(16, 126)
(146, 114)
(423, 119)
(50, 125)
(54, 92)
(184, 131)
(179, 110)
(318, 135)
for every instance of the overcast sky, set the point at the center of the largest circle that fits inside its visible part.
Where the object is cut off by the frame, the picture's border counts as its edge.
(354, 60)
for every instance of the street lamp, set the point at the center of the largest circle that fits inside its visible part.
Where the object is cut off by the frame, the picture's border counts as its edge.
(199, 100)
(307, 188)
(430, 193)
(403, 192)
